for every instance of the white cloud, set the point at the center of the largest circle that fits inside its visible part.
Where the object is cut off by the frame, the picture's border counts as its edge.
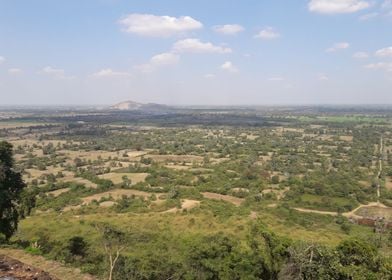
(338, 46)
(209, 76)
(158, 26)
(14, 71)
(385, 52)
(268, 33)
(2, 59)
(159, 60)
(229, 67)
(322, 77)
(386, 66)
(337, 6)
(360, 55)
(56, 73)
(228, 29)
(196, 46)
(109, 73)
(165, 59)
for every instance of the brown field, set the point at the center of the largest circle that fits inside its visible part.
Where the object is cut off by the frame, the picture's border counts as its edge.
(346, 138)
(87, 183)
(116, 178)
(117, 194)
(30, 142)
(232, 199)
(10, 125)
(91, 155)
(36, 174)
(186, 204)
(375, 212)
(175, 158)
(177, 167)
(136, 154)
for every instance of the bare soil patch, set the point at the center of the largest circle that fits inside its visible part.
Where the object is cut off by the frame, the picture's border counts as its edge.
(186, 204)
(11, 269)
(216, 196)
(39, 264)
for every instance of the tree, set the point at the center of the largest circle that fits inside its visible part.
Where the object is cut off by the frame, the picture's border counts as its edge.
(275, 179)
(77, 246)
(11, 187)
(113, 241)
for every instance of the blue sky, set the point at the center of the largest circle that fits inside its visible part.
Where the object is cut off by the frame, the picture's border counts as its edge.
(196, 51)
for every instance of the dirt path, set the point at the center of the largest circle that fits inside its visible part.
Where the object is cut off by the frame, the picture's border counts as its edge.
(56, 269)
(350, 214)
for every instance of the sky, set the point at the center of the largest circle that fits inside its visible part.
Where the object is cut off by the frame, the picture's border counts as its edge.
(195, 52)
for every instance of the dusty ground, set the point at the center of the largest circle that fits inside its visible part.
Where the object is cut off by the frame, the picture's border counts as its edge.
(20, 265)
(232, 199)
(117, 178)
(11, 269)
(186, 204)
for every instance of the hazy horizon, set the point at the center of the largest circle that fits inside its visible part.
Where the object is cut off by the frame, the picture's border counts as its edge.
(196, 53)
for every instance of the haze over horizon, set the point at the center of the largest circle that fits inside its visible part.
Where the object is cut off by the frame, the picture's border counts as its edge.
(196, 52)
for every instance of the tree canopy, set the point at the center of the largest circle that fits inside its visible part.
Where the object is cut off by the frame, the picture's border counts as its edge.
(11, 187)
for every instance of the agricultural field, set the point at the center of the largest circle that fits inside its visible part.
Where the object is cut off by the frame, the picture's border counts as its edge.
(168, 188)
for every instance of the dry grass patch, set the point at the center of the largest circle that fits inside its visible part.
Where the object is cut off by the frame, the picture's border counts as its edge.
(85, 182)
(216, 196)
(56, 193)
(178, 167)
(176, 158)
(136, 154)
(117, 178)
(186, 204)
(346, 138)
(374, 212)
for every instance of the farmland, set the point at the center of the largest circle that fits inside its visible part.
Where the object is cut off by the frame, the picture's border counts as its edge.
(171, 181)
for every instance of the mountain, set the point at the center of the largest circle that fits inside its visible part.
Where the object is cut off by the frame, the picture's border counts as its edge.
(135, 106)
(126, 106)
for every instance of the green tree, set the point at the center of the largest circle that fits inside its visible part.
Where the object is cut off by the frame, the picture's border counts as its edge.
(11, 187)
(77, 246)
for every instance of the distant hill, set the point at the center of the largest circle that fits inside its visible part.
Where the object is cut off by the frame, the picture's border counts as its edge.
(135, 106)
